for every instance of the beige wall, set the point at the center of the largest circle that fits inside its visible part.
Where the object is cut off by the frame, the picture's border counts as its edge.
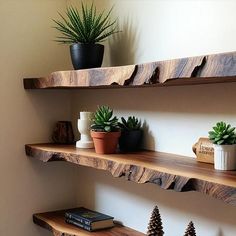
(175, 117)
(27, 50)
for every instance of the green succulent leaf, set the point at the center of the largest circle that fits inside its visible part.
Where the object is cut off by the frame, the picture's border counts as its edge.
(222, 134)
(107, 128)
(132, 123)
(103, 119)
(220, 142)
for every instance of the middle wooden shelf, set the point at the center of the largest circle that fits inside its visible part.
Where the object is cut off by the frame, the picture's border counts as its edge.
(166, 170)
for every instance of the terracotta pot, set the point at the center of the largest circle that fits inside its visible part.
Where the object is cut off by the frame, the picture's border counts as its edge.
(105, 142)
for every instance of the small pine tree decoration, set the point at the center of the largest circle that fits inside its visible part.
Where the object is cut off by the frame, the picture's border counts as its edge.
(190, 231)
(155, 224)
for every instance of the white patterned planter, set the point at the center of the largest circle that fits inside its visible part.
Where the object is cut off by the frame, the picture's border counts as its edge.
(225, 157)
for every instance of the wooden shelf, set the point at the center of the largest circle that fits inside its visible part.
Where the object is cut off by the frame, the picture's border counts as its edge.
(166, 170)
(217, 68)
(55, 222)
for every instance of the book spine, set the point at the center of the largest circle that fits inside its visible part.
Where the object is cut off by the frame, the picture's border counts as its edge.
(77, 218)
(78, 224)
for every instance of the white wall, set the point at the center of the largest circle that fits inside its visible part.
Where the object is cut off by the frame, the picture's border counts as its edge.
(163, 29)
(175, 117)
(27, 50)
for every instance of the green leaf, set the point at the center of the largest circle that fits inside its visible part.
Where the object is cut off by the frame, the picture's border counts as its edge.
(222, 134)
(217, 139)
(85, 26)
(226, 136)
(107, 128)
(104, 118)
(220, 142)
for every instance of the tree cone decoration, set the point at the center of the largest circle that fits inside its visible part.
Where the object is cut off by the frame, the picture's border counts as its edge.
(155, 224)
(190, 231)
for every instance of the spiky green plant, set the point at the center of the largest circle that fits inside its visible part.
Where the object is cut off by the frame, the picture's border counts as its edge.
(132, 123)
(85, 25)
(104, 121)
(222, 134)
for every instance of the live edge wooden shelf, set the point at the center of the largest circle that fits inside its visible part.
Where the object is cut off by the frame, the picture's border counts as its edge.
(217, 68)
(166, 170)
(55, 222)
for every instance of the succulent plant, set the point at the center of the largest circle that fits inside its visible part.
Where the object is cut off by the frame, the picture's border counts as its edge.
(222, 134)
(85, 25)
(104, 121)
(132, 123)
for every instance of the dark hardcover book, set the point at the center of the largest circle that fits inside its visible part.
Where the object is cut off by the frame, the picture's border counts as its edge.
(78, 224)
(85, 217)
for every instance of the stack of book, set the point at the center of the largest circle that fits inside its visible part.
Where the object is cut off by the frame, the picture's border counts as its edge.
(88, 219)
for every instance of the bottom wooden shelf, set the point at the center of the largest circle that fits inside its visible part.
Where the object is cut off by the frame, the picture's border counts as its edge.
(54, 221)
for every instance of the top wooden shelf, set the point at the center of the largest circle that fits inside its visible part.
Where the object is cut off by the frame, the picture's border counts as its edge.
(216, 68)
(166, 170)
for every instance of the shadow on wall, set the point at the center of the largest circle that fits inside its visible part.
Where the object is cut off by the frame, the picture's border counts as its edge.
(41, 103)
(123, 45)
(102, 188)
(200, 99)
(148, 135)
(220, 233)
(194, 108)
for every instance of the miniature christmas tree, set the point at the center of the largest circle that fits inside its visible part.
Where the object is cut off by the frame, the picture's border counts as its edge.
(155, 224)
(190, 231)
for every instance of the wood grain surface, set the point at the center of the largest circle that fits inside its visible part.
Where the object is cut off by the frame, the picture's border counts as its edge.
(169, 171)
(217, 68)
(55, 222)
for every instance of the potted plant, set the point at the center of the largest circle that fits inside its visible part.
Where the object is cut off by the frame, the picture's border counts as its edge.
(223, 137)
(131, 134)
(105, 131)
(84, 29)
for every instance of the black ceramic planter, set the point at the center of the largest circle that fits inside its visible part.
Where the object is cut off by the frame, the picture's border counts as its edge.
(130, 140)
(86, 56)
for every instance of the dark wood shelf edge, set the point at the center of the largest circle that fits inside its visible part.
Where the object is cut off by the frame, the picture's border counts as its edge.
(148, 167)
(29, 84)
(42, 223)
(54, 222)
(199, 81)
(216, 68)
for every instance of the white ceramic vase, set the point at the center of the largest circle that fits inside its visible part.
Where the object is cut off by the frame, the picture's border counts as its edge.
(84, 124)
(225, 157)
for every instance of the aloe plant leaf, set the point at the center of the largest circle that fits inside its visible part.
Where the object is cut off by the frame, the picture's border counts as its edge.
(86, 26)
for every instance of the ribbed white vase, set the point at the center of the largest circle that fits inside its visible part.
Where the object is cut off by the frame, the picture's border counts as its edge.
(225, 157)
(84, 124)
